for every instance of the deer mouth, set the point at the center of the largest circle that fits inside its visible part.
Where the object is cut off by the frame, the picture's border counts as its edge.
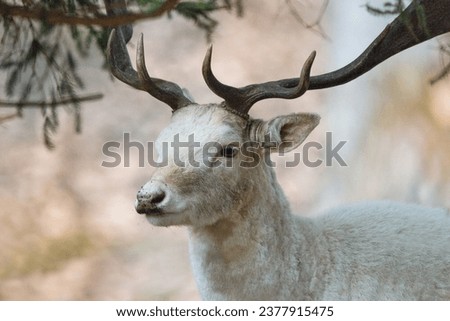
(154, 212)
(150, 211)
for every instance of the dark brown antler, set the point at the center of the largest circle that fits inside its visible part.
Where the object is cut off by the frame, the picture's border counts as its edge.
(420, 21)
(121, 68)
(242, 99)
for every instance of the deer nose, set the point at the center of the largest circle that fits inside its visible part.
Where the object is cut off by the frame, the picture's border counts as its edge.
(150, 197)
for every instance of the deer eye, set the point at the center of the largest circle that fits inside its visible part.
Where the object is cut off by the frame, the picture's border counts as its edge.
(229, 151)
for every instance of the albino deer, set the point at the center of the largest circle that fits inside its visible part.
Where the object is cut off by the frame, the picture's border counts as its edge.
(244, 242)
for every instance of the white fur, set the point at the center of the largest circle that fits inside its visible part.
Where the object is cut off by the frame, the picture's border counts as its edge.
(246, 245)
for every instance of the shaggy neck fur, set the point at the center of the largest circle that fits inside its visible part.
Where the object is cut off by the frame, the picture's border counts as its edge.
(256, 252)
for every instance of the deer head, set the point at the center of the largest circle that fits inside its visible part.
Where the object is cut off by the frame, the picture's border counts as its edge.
(202, 192)
(213, 177)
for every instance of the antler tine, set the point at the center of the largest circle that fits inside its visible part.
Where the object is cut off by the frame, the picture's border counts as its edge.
(119, 60)
(230, 94)
(242, 99)
(163, 90)
(274, 89)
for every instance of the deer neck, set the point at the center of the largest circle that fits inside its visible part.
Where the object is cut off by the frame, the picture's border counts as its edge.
(254, 241)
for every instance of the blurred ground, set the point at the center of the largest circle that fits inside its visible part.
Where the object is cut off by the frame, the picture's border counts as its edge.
(68, 226)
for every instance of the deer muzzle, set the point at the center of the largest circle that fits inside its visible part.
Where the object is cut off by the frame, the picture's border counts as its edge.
(151, 198)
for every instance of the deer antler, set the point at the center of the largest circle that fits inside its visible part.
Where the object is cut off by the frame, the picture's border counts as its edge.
(122, 69)
(242, 99)
(420, 21)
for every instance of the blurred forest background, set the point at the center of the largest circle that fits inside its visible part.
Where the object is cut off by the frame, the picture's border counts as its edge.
(68, 226)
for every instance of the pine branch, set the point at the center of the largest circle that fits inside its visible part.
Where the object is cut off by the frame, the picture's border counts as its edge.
(389, 8)
(43, 103)
(55, 17)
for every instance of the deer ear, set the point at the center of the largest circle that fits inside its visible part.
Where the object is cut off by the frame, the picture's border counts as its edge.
(289, 131)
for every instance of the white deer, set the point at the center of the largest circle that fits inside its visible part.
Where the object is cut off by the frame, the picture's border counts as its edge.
(244, 242)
